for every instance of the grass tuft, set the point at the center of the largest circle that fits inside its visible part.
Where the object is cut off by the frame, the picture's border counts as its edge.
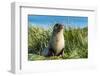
(76, 43)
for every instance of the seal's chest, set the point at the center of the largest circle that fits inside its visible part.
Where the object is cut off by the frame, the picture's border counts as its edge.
(58, 43)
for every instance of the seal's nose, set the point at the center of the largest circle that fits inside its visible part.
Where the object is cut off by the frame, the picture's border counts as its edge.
(61, 26)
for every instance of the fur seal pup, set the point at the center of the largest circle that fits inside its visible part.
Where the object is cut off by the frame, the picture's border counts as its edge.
(56, 43)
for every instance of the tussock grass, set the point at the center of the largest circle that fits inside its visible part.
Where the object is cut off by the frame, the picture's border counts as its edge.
(76, 43)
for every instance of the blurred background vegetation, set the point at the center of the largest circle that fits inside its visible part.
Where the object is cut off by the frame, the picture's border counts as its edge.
(76, 43)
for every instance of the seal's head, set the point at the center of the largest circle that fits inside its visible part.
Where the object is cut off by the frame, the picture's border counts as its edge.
(58, 27)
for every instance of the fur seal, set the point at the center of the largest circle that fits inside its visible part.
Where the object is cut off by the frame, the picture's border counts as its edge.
(56, 43)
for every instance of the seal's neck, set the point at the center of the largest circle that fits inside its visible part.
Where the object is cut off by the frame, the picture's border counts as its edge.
(58, 33)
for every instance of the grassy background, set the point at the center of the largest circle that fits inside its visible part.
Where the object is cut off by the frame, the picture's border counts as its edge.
(76, 43)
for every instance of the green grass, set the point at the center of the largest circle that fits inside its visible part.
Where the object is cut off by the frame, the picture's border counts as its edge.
(76, 43)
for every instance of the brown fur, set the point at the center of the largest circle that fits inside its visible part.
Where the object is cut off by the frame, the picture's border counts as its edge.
(56, 43)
